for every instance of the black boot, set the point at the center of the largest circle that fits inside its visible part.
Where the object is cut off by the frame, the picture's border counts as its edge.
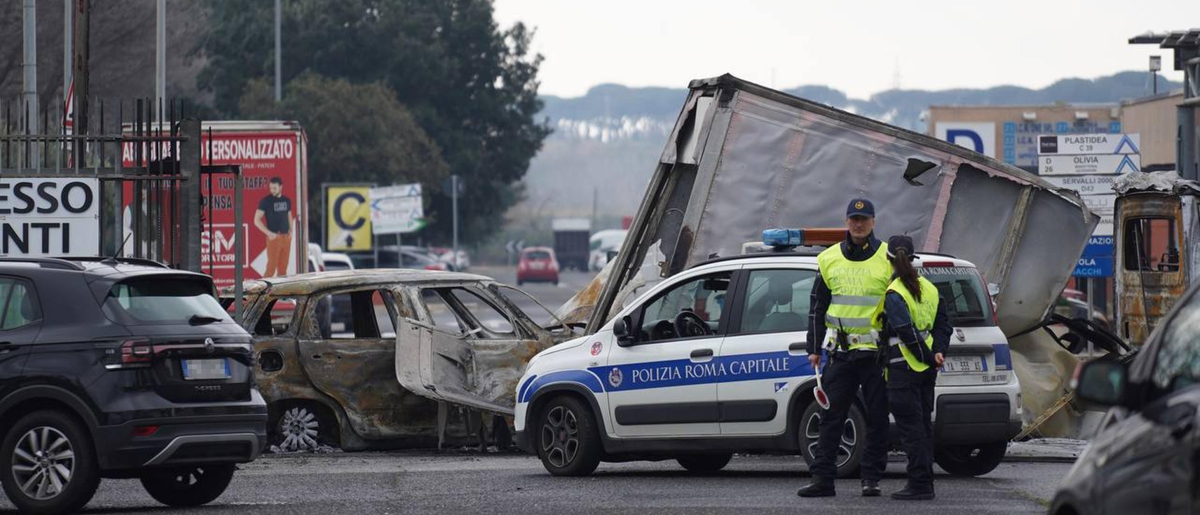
(870, 488)
(914, 493)
(818, 488)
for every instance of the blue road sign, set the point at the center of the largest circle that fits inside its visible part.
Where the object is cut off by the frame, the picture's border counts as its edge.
(1094, 267)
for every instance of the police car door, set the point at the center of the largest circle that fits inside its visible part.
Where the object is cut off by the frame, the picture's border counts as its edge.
(662, 383)
(763, 358)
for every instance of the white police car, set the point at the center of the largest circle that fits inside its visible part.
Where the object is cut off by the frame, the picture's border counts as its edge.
(712, 361)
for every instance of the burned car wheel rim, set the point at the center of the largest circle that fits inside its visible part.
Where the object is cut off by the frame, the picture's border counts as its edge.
(299, 427)
(560, 436)
(43, 463)
(849, 438)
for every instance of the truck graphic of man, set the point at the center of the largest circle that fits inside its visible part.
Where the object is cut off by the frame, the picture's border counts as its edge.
(274, 219)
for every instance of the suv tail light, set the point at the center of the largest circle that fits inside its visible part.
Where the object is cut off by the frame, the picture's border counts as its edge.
(136, 353)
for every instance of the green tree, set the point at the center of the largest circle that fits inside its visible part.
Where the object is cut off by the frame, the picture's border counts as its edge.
(356, 133)
(469, 84)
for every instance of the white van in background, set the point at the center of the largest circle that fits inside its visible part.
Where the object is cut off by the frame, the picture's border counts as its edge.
(603, 242)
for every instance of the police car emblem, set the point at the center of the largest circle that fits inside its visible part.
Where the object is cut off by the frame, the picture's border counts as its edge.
(615, 378)
(962, 337)
(596, 348)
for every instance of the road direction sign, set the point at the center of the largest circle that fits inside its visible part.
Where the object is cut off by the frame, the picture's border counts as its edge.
(1094, 267)
(1077, 144)
(348, 218)
(397, 209)
(514, 246)
(1110, 164)
(1084, 184)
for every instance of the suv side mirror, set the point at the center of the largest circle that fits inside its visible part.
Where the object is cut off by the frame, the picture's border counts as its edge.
(621, 331)
(1102, 382)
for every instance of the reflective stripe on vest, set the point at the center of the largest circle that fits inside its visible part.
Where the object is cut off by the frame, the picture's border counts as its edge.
(856, 288)
(922, 313)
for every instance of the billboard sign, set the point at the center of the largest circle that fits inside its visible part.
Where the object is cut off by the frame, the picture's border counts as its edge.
(348, 218)
(274, 200)
(49, 217)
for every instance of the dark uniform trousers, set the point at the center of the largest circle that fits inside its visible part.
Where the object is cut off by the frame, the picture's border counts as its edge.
(841, 378)
(910, 397)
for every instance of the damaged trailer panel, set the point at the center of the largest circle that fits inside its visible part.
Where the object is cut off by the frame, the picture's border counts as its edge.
(743, 158)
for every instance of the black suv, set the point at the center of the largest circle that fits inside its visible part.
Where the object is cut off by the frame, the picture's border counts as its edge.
(120, 369)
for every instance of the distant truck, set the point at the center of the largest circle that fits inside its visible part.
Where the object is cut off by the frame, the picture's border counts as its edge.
(571, 242)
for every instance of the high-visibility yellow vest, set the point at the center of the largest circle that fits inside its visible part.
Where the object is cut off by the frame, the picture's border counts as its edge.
(922, 313)
(857, 287)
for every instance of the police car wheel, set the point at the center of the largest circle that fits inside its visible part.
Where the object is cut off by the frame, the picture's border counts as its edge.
(970, 460)
(851, 445)
(568, 439)
(705, 462)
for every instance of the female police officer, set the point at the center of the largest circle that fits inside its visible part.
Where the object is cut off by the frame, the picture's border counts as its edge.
(917, 330)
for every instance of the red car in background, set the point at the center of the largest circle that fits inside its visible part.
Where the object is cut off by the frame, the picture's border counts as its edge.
(537, 264)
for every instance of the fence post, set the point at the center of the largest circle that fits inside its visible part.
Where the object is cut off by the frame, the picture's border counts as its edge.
(190, 215)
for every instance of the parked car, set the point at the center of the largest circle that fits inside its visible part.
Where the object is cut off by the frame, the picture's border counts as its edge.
(604, 244)
(458, 262)
(635, 389)
(418, 342)
(537, 264)
(404, 257)
(141, 374)
(1143, 458)
(316, 260)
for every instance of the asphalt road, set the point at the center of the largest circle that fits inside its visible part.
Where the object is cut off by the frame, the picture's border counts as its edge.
(459, 482)
(550, 295)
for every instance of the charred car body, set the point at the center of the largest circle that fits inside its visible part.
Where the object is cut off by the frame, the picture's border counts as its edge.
(426, 357)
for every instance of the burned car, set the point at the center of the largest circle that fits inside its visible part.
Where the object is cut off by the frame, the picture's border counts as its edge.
(423, 357)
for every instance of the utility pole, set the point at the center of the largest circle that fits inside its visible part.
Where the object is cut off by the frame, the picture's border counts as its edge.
(66, 50)
(160, 55)
(29, 66)
(278, 54)
(454, 205)
(80, 62)
(1155, 66)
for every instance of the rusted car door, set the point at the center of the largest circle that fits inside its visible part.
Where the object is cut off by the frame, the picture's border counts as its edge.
(353, 364)
(463, 348)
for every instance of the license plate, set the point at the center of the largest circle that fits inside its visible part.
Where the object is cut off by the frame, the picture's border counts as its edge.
(205, 369)
(963, 364)
(537, 266)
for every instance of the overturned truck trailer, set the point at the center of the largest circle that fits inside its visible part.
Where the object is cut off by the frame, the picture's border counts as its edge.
(743, 157)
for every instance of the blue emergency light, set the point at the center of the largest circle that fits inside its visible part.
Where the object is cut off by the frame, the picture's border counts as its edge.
(780, 237)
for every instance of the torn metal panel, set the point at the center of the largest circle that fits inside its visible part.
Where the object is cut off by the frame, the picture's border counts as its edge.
(770, 159)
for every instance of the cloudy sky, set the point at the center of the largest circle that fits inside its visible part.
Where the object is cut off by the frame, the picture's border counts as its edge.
(857, 46)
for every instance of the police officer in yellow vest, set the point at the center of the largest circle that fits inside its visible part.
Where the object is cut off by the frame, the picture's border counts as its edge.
(913, 321)
(852, 279)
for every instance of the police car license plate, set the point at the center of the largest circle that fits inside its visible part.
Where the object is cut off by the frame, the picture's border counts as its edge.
(205, 369)
(962, 364)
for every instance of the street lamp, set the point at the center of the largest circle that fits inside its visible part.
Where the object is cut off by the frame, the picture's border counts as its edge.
(1155, 66)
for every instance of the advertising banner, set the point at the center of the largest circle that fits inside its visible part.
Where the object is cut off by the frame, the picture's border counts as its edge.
(49, 217)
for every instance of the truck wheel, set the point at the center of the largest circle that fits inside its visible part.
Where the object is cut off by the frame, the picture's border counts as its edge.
(970, 460)
(47, 464)
(568, 440)
(851, 445)
(188, 486)
(705, 463)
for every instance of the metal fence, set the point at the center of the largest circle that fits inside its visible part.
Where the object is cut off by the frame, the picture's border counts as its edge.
(146, 155)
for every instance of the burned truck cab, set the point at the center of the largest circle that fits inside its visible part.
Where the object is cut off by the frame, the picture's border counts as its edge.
(1154, 228)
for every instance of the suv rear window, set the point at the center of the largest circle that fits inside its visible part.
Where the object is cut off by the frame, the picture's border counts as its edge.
(964, 293)
(159, 300)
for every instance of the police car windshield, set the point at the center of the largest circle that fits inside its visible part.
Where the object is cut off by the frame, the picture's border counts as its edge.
(964, 293)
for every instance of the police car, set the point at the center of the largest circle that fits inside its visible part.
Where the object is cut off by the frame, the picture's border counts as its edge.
(713, 361)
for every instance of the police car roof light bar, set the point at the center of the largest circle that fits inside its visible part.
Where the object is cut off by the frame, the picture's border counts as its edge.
(815, 237)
